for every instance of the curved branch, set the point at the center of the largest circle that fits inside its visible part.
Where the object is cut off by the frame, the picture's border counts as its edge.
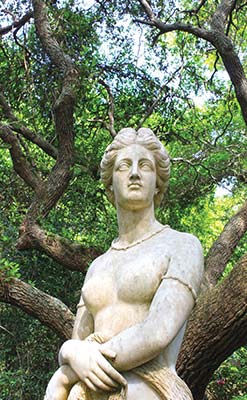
(110, 108)
(197, 9)
(218, 39)
(47, 309)
(16, 24)
(177, 26)
(49, 43)
(36, 139)
(73, 256)
(20, 163)
(148, 10)
(222, 249)
(234, 68)
(17, 126)
(60, 175)
(199, 32)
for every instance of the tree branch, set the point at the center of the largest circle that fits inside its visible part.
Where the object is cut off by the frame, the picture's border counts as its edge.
(20, 163)
(223, 247)
(47, 309)
(148, 10)
(18, 127)
(177, 26)
(216, 329)
(49, 43)
(16, 24)
(110, 108)
(60, 175)
(234, 68)
(197, 9)
(218, 39)
(73, 256)
(219, 18)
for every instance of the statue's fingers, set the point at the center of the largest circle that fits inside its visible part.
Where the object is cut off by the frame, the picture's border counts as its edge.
(90, 385)
(99, 372)
(108, 353)
(98, 383)
(112, 372)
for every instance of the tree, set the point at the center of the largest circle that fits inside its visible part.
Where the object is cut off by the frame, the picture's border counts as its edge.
(62, 87)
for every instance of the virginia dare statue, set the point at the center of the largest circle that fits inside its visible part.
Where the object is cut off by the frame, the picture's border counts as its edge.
(137, 296)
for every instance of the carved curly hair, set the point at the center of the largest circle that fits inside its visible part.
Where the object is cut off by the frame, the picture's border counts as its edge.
(146, 138)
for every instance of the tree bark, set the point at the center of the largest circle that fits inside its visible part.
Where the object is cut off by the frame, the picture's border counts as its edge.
(47, 309)
(60, 175)
(21, 166)
(222, 249)
(73, 256)
(216, 328)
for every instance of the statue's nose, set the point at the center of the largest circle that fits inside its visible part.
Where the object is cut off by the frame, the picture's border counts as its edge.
(134, 172)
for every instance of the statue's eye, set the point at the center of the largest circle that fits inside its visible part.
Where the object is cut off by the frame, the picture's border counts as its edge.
(146, 165)
(123, 166)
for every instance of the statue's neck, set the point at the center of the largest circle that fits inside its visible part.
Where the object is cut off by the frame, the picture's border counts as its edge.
(135, 224)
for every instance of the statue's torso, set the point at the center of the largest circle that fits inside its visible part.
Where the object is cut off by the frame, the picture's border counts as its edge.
(121, 285)
(119, 289)
(119, 292)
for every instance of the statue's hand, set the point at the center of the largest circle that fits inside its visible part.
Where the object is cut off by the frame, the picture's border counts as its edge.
(90, 365)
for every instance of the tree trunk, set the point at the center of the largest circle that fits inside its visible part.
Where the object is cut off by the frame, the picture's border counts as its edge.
(216, 328)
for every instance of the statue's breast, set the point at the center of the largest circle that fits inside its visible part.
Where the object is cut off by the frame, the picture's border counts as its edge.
(99, 291)
(131, 276)
(139, 274)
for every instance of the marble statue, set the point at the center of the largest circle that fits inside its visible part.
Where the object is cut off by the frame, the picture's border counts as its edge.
(137, 296)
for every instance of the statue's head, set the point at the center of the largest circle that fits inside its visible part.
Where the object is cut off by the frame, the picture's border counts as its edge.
(146, 138)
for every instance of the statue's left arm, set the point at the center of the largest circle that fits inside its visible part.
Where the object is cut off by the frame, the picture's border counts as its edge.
(170, 308)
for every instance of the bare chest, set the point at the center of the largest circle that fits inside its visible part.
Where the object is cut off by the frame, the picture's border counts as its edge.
(130, 276)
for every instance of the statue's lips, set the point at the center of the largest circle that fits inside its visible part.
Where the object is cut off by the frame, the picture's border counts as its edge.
(134, 185)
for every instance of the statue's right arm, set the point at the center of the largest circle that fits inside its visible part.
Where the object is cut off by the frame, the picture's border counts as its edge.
(84, 324)
(85, 358)
(65, 377)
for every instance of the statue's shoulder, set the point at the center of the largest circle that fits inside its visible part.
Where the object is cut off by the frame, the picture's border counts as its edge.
(98, 262)
(182, 239)
(186, 257)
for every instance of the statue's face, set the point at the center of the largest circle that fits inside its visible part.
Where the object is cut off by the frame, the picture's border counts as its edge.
(134, 177)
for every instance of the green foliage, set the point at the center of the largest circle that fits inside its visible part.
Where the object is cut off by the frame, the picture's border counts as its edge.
(230, 380)
(28, 355)
(9, 269)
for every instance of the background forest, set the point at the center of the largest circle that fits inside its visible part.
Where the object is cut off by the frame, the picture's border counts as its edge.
(72, 74)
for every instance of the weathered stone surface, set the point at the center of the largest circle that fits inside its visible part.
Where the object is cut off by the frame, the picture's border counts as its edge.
(137, 296)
